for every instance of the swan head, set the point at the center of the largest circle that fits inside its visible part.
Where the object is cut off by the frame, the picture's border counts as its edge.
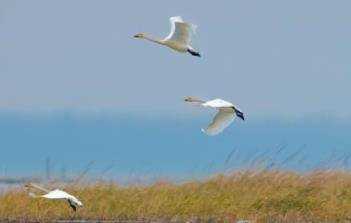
(189, 99)
(29, 185)
(194, 100)
(139, 36)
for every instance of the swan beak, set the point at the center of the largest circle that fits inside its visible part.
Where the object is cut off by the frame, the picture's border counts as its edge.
(135, 36)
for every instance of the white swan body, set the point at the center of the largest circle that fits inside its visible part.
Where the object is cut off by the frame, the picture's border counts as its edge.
(178, 39)
(56, 194)
(59, 194)
(223, 118)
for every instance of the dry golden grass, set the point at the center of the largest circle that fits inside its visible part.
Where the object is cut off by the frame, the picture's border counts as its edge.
(323, 196)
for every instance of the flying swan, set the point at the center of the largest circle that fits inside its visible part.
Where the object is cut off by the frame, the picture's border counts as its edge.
(55, 194)
(179, 37)
(225, 115)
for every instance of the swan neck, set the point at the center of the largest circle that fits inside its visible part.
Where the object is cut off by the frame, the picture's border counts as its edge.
(198, 101)
(154, 40)
(40, 188)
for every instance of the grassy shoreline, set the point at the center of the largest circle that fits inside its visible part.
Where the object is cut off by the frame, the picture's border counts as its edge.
(261, 196)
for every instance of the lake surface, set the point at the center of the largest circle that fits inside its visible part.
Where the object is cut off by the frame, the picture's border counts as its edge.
(134, 149)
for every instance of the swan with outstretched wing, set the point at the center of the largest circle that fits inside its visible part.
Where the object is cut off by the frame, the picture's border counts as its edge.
(224, 117)
(55, 194)
(178, 39)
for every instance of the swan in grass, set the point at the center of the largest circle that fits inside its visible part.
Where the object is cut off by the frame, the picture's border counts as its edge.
(55, 194)
(223, 118)
(179, 37)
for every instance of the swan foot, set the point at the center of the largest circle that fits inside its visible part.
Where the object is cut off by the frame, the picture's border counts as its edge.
(194, 53)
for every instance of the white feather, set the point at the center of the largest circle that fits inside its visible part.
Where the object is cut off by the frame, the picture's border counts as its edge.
(218, 103)
(180, 31)
(221, 121)
(59, 194)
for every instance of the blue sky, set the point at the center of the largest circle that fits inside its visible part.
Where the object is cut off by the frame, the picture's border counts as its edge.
(285, 64)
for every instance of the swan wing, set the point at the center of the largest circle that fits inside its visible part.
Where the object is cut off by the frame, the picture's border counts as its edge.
(218, 103)
(57, 194)
(180, 30)
(221, 121)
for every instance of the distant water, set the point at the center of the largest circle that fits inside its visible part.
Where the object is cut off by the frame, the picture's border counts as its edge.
(136, 148)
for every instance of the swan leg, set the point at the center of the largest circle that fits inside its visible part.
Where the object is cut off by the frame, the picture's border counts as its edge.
(194, 53)
(74, 208)
(240, 114)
